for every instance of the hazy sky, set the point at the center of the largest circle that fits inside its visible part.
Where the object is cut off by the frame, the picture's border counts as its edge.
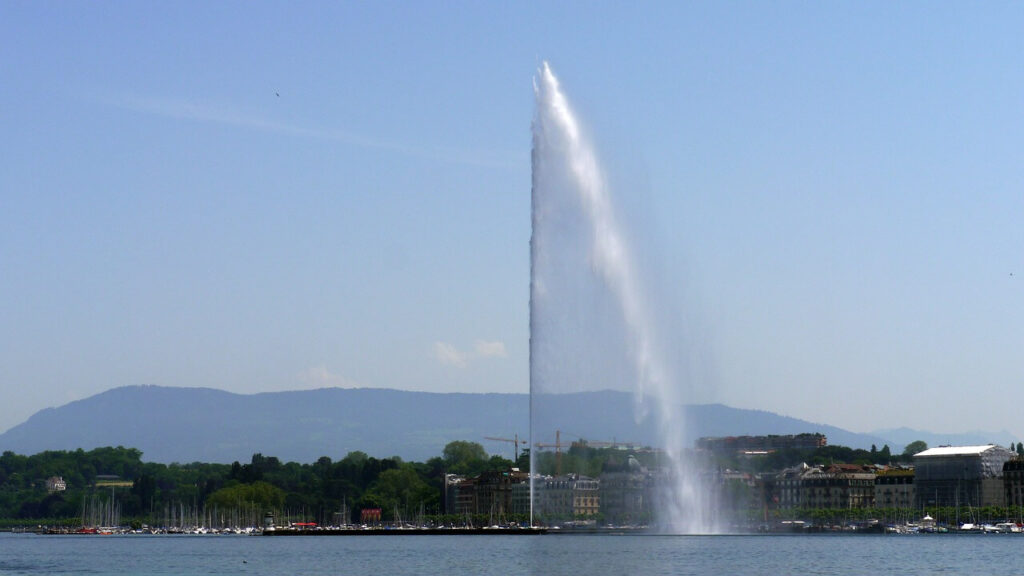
(254, 196)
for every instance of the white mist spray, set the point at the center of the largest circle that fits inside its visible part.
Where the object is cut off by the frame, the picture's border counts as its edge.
(567, 176)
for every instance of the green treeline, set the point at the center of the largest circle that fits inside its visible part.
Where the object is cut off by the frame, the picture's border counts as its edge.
(146, 492)
(825, 455)
(115, 483)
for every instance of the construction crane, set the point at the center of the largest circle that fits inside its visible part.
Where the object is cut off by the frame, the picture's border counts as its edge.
(515, 444)
(612, 444)
(558, 451)
(580, 443)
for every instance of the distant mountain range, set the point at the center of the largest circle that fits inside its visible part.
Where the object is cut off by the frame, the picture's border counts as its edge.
(206, 425)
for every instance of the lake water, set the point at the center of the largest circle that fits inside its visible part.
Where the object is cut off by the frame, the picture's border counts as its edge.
(504, 555)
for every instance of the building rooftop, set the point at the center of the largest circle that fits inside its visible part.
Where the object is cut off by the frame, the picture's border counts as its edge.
(955, 450)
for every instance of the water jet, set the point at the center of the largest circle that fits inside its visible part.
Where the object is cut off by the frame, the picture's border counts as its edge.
(592, 328)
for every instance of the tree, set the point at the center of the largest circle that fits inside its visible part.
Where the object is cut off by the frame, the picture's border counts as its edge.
(913, 448)
(462, 457)
(356, 458)
(523, 463)
(239, 495)
(1020, 449)
(400, 489)
(142, 495)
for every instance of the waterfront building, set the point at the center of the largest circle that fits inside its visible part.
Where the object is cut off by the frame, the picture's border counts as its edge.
(894, 488)
(833, 486)
(1013, 482)
(787, 486)
(450, 495)
(497, 494)
(568, 497)
(626, 492)
(838, 486)
(737, 493)
(500, 494)
(56, 484)
(466, 497)
(761, 444)
(961, 476)
(520, 495)
(768, 484)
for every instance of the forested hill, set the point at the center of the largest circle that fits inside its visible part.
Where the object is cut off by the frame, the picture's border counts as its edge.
(206, 425)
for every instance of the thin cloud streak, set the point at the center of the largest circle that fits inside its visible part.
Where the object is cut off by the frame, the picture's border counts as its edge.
(227, 116)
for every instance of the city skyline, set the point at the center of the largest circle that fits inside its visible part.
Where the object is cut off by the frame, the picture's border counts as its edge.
(254, 197)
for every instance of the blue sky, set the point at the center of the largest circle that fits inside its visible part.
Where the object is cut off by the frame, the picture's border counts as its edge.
(262, 196)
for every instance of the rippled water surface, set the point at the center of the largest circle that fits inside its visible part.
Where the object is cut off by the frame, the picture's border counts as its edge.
(504, 555)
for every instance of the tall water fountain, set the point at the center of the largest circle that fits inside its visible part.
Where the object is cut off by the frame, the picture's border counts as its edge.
(592, 328)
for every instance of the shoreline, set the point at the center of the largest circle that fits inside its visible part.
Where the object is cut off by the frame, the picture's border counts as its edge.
(405, 531)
